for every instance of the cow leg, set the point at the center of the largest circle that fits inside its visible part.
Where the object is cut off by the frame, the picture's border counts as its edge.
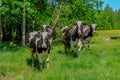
(88, 44)
(32, 56)
(65, 49)
(40, 60)
(68, 50)
(51, 39)
(47, 60)
(88, 39)
(32, 59)
(72, 46)
(80, 44)
(75, 43)
(84, 44)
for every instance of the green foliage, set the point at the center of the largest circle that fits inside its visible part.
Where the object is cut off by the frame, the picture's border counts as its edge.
(45, 11)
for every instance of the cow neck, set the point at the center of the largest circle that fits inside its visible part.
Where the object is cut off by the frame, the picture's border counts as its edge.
(73, 33)
(89, 32)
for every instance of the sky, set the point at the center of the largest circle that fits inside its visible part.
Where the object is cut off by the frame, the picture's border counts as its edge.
(115, 4)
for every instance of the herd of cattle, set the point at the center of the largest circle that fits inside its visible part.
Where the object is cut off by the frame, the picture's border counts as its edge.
(72, 38)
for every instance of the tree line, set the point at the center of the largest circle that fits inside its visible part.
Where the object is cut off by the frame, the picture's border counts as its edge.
(19, 17)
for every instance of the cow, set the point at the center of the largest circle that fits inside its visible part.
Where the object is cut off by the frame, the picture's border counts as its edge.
(39, 44)
(88, 33)
(72, 36)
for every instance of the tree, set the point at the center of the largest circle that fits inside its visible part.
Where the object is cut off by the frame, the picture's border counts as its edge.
(19, 16)
(23, 26)
(0, 23)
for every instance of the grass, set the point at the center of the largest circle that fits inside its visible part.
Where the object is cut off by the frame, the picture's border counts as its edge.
(100, 62)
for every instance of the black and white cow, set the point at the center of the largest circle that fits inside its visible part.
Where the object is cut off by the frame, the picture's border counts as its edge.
(39, 44)
(88, 33)
(71, 36)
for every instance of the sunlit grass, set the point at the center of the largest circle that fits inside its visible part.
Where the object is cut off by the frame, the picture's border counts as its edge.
(100, 62)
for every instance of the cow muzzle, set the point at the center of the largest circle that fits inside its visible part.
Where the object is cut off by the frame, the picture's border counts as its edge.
(44, 46)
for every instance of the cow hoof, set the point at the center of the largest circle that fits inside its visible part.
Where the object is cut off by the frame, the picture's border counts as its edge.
(78, 55)
(47, 65)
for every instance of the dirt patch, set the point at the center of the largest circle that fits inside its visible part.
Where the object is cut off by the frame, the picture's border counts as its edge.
(107, 39)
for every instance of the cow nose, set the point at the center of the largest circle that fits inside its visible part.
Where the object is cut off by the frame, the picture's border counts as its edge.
(44, 46)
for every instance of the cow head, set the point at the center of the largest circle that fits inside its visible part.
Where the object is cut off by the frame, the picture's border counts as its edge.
(79, 26)
(45, 40)
(65, 29)
(93, 28)
(52, 32)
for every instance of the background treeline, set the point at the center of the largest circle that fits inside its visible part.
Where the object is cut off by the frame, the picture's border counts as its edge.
(18, 17)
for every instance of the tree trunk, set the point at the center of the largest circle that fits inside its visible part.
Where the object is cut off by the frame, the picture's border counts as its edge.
(23, 27)
(0, 23)
(19, 33)
(58, 14)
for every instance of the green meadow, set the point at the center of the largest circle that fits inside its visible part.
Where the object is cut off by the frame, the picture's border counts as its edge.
(100, 62)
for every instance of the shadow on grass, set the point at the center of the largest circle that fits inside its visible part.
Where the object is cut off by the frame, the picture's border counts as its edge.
(29, 63)
(71, 54)
(36, 64)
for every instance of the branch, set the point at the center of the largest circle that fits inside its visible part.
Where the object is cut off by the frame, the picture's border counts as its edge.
(58, 14)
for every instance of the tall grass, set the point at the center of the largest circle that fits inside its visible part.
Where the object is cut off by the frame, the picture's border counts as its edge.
(100, 62)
